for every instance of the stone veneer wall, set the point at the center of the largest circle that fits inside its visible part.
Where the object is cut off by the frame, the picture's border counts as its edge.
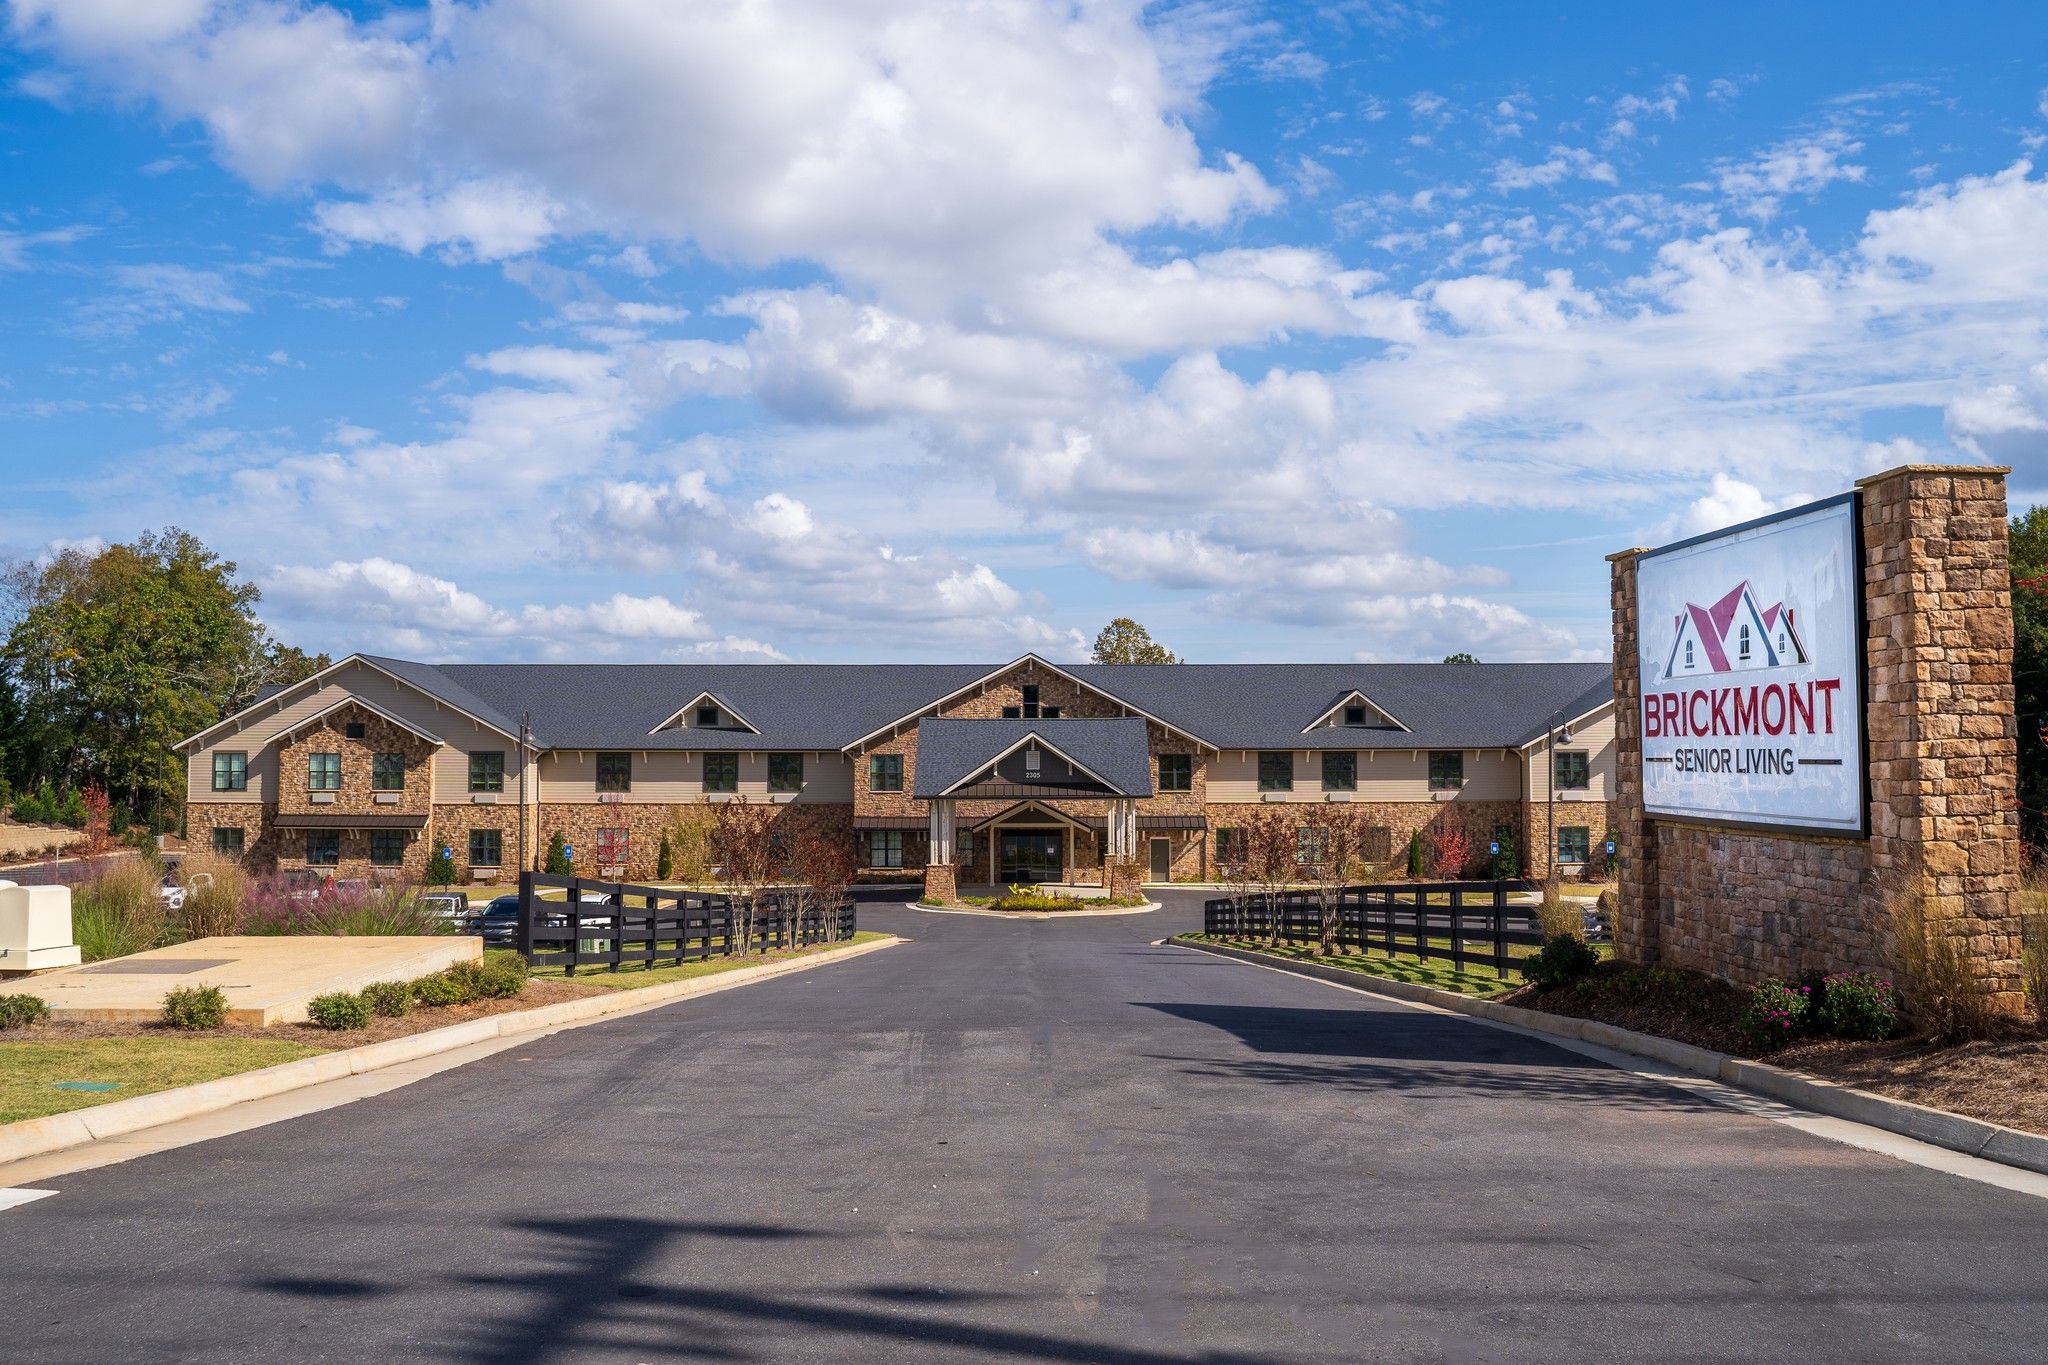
(1943, 763)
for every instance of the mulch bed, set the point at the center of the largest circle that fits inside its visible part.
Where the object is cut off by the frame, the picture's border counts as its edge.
(2000, 1080)
(539, 991)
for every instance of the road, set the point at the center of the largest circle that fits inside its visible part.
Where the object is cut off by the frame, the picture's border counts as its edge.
(1036, 1141)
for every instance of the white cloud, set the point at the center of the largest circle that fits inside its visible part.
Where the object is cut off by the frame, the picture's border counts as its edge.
(1804, 165)
(486, 219)
(1727, 503)
(1563, 163)
(2004, 423)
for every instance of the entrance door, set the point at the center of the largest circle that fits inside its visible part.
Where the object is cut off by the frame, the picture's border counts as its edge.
(1030, 856)
(1162, 860)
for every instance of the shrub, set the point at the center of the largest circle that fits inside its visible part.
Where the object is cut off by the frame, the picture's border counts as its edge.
(440, 866)
(1450, 852)
(1776, 1013)
(19, 1011)
(1941, 983)
(2034, 961)
(664, 861)
(392, 999)
(117, 911)
(196, 1007)
(503, 975)
(278, 906)
(1859, 1005)
(1558, 917)
(442, 988)
(1504, 864)
(1562, 960)
(690, 841)
(1415, 856)
(338, 1010)
(217, 891)
(558, 857)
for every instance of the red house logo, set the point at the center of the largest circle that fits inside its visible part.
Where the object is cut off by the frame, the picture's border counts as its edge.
(1734, 635)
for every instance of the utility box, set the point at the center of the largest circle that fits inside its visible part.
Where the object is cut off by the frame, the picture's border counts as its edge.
(35, 929)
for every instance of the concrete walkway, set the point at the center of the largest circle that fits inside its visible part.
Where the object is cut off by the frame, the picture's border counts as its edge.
(1026, 1141)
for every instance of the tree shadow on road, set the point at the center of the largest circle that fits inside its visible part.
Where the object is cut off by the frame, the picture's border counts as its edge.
(644, 1289)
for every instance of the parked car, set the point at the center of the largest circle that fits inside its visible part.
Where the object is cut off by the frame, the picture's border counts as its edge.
(171, 893)
(498, 921)
(448, 904)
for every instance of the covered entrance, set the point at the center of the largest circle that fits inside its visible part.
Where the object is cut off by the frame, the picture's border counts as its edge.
(1030, 855)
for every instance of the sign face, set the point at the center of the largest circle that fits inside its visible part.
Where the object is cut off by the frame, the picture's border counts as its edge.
(1750, 642)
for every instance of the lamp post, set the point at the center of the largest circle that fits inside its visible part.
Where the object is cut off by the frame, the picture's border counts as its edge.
(525, 747)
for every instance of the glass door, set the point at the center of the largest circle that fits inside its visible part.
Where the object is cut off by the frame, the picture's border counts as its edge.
(1031, 856)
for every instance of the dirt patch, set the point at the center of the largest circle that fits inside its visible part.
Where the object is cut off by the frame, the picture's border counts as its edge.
(2002, 1080)
(538, 992)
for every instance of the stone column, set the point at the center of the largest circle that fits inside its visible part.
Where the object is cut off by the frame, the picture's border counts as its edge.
(1635, 918)
(1944, 756)
(941, 880)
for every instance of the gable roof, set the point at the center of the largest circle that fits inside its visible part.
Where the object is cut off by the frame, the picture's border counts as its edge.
(1114, 752)
(306, 722)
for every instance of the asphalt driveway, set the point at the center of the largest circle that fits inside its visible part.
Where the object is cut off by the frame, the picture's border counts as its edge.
(1036, 1141)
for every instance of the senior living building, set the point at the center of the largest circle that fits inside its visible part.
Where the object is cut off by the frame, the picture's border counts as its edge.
(1027, 771)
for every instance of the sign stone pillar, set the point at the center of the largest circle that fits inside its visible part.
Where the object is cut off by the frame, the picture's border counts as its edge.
(1635, 918)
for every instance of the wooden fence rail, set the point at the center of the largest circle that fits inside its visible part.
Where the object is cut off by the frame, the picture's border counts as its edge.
(1468, 924)
(615, 924)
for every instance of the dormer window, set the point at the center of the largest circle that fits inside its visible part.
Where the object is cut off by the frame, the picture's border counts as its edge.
(1742, 652)
(707, 716)
(1030, 701)
(1031, 758)
(1354, 715)
(1688, 654)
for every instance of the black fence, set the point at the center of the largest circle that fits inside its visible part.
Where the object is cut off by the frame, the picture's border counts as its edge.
(1468, 924)
(615, 924)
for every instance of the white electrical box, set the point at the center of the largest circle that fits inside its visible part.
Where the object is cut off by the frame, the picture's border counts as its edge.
(35, 928)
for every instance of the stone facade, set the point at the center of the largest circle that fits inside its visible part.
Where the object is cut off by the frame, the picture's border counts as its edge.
(286, 848)
(1943, 769)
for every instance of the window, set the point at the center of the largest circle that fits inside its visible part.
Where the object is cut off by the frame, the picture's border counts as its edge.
(721, 772)
(323, 772)
(387, 847)
(1446, 770)
(1013, 713)
(615, 772)
(354, 730)
(785, 772)
(1276, 772)
(486, 847)
(487, 772)
(323, 847)
(885, 848)
(885, 772)
(613, 846)
(1340, 772)
(231, 772)
(1574, 770)
(228, 842)
(1742, 650)
(707, 716)
(1176, 772)
(1688, 654)
(1376, 844)
(1573, 842)
(1311, 843)
(966, 848)
(1049, 712)
(1230, 846)
(1030, 691)
(1031, 761)
(387, 772)
(1354, 715)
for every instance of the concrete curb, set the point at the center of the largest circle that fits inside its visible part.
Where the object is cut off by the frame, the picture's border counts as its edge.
(1938, 1127)
(1147, 908)
(37, 1137)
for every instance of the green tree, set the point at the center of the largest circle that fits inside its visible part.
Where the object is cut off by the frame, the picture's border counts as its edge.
(113, 655)
(2029, 547)
(1415, 867)
(664, 861)
(440, 866)
(558, 857)
(1461, 657)
(1124, 641)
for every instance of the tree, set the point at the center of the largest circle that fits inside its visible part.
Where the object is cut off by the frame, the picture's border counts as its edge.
(744, 838)
(1124, 641)
(1415, 856)
(440, 866)
(557, 862)
(1331, 845)
(113, 655)
(2029, 551)
(1461, 657)
(1450, 848)
(664, 861)
(1272, 845)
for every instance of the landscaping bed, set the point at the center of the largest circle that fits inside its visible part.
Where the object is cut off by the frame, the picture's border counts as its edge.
(1032, 903)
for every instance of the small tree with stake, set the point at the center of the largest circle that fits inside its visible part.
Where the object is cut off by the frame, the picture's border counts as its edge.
(744, 837)
(1331, 845)
(823, 863)
(1271, 848)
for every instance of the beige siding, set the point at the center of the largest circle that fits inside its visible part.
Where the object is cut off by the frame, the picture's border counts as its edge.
(254, 730)
(1596, 738)
(1383, 775)
(664, 777)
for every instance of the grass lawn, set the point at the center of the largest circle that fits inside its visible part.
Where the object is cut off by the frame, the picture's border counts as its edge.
(628, 978)
(1412, 970)
(31, 1072)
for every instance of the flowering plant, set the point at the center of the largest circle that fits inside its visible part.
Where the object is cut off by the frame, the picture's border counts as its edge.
(1776, 1013)
(1860, 1005)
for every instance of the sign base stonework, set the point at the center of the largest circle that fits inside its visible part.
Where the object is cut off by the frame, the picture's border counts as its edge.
(1938, 746)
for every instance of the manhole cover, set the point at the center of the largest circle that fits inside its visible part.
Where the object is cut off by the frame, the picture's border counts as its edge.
(157, 966)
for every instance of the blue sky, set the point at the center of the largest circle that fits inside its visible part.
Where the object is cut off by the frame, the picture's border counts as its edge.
(844, 329)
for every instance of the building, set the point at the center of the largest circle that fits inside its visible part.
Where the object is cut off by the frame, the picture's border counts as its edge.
(964, 773)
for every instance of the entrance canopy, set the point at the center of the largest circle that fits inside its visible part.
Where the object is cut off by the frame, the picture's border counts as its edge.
(1033, 759)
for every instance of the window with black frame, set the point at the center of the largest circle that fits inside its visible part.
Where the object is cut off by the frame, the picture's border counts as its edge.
(323, 847)
(1446, 770)
(1340, 772)
(387, 847)
(487, 772)
(721, 772)
(1574, 770)
(1230, 846)
(486, 847)
(228, 841)
(387, 772)
(1176, 772)
(1574, 842)
(615, 772)
(885, 772)
(323, 772)
(885, 848)
(1276, 772)
(785, 772)
(230, 771)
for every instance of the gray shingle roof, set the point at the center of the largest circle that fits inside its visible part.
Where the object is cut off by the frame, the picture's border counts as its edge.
(950, 751)
(821, 707)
